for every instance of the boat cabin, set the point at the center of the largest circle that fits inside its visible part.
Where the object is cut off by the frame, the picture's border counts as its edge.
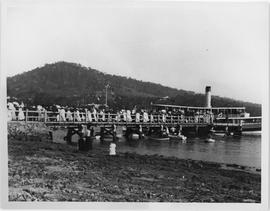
(218, 112)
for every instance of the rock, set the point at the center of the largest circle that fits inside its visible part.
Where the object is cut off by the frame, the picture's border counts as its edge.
(249, 200)
(204, 189)
(17, 177)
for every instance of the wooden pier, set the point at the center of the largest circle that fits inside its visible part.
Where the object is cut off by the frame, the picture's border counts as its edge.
(108, 124)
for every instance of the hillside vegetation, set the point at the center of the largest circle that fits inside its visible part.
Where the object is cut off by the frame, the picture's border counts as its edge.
(72, 84)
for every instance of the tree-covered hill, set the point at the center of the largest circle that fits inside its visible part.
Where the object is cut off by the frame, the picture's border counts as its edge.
(72, 84)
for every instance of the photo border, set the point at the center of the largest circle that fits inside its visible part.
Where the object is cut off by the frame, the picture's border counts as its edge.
(264, 205)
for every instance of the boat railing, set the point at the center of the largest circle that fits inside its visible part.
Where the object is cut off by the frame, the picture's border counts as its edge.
(240, 120)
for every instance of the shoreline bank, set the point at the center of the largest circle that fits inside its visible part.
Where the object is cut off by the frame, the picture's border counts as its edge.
(45, 171)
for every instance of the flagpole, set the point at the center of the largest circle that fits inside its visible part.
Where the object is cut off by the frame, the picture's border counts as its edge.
(106, 99)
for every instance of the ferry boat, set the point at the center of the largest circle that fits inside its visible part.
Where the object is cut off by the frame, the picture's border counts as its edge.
(219, 117)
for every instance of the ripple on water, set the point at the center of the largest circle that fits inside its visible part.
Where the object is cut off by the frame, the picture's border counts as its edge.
(245, 150)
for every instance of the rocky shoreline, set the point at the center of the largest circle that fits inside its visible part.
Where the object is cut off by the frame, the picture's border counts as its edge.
(45, 171)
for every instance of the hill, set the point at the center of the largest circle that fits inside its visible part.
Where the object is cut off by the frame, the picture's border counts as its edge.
(72, 84)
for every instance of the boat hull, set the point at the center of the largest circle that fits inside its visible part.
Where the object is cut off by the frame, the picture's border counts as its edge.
(175, 137)
(159, 138)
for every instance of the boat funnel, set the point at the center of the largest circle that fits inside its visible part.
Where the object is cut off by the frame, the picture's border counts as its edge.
(208, 96)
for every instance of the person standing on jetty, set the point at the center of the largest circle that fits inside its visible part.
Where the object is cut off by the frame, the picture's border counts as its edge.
(145, 116)
(83, 116)
(124, 113)
(151, 117)
(62, 114)
(164, 117)
(95, 115)
(137, 118)
(77, 116)
(9, 114)
(103, 117)
(39, 110)
(21, 116)
(129, 118)
(88, 115)
(109, 117)
(69, 116)
(118, 116)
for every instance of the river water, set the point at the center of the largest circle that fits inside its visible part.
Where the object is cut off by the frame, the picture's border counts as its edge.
(244, 150)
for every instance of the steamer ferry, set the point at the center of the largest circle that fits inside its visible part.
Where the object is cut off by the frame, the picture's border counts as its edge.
(222, 118)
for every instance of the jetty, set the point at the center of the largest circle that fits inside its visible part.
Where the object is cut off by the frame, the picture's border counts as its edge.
(200, 121)
(199, 126)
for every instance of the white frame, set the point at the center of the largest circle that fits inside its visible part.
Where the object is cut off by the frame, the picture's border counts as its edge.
(119, 205)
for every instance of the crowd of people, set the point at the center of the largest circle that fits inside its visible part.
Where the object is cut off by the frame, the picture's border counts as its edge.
(15, 111)
(97, 113)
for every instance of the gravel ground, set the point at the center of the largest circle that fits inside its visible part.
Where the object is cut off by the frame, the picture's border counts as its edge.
(44, 171)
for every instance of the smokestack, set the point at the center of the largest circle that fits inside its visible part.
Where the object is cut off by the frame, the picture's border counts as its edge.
(208, 96)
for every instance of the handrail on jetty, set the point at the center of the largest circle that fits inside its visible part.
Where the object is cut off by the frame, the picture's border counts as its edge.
(55, 117)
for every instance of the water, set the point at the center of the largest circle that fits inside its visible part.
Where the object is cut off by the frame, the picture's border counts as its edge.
(245, 150)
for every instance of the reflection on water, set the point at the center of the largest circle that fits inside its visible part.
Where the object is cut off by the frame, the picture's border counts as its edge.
(244, 150)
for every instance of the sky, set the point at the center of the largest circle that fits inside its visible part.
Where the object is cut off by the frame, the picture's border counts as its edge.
(180, 45)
